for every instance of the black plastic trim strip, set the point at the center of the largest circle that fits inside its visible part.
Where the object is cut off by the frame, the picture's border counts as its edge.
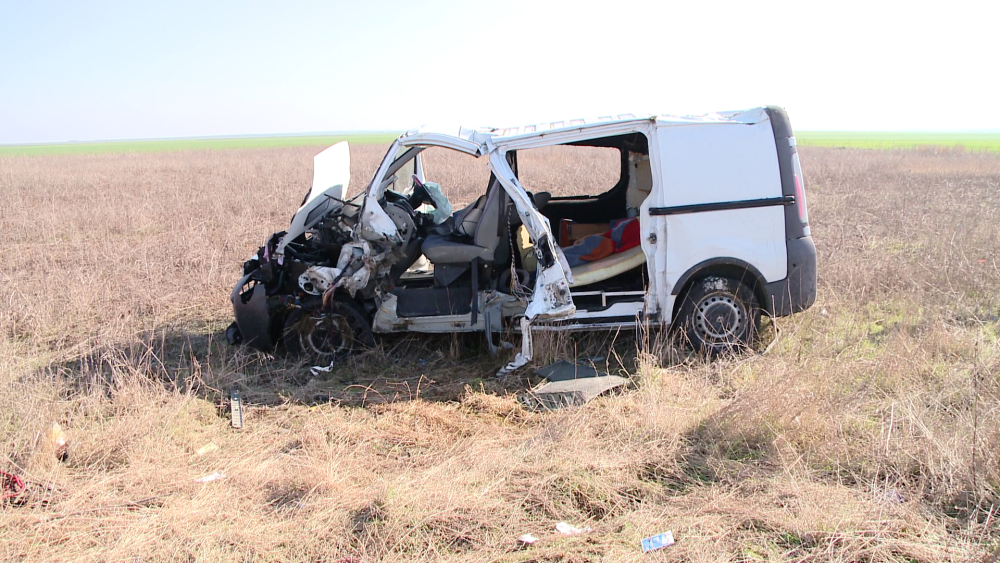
(588, 321)
(723, 205)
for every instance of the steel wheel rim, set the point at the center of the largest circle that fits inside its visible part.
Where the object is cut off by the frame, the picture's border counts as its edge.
(325, 334)
(336, 331)
(719, 318)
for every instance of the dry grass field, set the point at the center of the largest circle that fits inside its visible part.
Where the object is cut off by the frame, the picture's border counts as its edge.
(869, 432)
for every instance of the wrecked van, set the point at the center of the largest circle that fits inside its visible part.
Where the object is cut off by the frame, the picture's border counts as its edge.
(705, 230)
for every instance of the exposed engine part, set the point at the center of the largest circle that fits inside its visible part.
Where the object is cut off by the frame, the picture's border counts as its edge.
(318, 279)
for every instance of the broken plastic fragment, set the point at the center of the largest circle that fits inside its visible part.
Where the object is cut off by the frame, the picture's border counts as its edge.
(209, 478)
(355, 272)
(571, 530)
(316, 370)
(207, 448)
(527, 539)
(59, 442)
(567, 385)
(666, 539)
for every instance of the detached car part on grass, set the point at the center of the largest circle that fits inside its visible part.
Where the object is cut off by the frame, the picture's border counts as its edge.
(719, 234)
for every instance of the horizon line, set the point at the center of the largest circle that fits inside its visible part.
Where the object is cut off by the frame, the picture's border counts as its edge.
(394, 132)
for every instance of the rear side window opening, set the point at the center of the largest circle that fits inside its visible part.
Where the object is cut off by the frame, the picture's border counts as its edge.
(595, 182)
(591, 192)
(569, 170)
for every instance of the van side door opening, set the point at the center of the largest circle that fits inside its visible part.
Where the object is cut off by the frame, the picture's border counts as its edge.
(594, 212)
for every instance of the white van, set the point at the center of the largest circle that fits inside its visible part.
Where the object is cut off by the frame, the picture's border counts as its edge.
(705, 230)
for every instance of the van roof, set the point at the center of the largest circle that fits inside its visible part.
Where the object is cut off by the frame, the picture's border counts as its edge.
(479, 135)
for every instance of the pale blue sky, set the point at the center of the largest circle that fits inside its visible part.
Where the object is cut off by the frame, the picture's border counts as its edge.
(120, 70)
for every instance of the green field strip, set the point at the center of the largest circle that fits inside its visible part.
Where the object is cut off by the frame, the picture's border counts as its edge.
(849, 139)
(896, 140)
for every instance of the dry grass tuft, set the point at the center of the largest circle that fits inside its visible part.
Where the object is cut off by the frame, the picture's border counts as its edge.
(869, 432)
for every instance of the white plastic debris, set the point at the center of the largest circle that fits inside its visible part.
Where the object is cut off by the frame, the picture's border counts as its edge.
(666, 539)
(527, 539)
(207, 448)
(316, 370)
(59, 442)
(209, 478)
(571, 530)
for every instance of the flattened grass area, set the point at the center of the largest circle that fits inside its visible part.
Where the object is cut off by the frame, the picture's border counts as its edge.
(174, 145)
(898, 140)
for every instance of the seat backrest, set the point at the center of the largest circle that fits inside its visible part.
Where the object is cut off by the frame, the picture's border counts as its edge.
(489, 229)
(467, 219)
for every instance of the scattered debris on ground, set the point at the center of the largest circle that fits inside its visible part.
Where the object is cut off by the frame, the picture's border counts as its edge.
(207, 448)
(236, 408)
(59, 442)
(568, 529)
(527, 539)
(209, 478)
(569, 384)
(666, 539)
(11, 485)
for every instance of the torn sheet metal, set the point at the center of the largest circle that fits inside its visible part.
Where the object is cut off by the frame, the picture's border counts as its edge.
(551, 298)
(376, 225)
(355, 263)
(523, 356)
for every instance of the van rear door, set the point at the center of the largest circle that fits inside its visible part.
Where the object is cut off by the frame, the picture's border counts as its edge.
(797, 291)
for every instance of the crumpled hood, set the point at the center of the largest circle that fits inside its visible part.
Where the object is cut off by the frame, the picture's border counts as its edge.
(331, 176)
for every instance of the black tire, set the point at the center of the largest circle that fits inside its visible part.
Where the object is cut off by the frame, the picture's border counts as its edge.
(327, 334)
(719, 314)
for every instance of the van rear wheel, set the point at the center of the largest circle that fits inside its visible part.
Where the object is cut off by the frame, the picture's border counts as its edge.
(719, 314)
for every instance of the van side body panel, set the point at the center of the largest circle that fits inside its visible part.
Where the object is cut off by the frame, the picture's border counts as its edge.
(711, 163)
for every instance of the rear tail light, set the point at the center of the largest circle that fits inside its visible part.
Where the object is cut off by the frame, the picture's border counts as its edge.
(800, 192)
(800, 201)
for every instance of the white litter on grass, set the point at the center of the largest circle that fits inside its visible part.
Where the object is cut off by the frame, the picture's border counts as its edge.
(209, 478)
(316, 370)
(527, 539)
(571, 530)
(207, 448)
